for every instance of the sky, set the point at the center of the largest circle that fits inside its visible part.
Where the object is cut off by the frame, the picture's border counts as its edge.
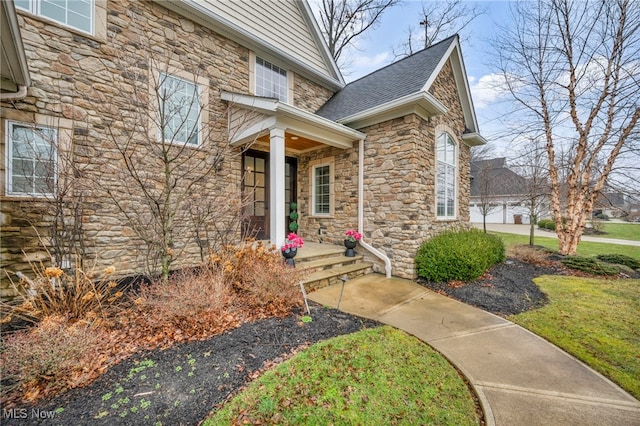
(375, 50)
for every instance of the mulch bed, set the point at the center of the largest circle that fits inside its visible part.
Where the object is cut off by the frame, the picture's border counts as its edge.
(505, 289)
(184, 383)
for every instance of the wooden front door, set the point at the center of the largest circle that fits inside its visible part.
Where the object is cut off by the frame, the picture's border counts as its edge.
(255, 190)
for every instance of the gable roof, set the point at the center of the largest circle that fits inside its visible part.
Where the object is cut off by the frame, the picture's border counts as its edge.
(402, 78)
(502, 180)
(403, 87)
(283, 31)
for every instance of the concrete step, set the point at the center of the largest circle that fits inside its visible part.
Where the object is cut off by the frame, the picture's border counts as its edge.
(312, 251)
(327, 277)
(314, 264)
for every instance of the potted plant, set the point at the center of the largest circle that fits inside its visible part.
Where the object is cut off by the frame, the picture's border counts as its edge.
(290, 248)
(351, 238)
(293, 216)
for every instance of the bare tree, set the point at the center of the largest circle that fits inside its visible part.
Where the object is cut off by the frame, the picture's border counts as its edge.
(573, 68)
(167, 159)
(343, 21)
(484, 186)
(532, 165)
(438, 20)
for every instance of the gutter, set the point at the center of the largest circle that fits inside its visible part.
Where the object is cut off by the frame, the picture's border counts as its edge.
(20, 94)
(363, 243)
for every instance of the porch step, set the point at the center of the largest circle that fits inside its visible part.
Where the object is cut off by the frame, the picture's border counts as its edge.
(311, 265)
(331, 276)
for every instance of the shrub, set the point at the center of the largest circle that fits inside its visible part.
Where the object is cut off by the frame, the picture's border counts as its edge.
(589, 265)
(52, 356)
(619, 259)
(527, 253)
(461, 255)
(602, 216)
(547, 224)
(75, 296)
(259, 276)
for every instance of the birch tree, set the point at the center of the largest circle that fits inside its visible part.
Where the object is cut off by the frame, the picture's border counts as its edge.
(574, 69)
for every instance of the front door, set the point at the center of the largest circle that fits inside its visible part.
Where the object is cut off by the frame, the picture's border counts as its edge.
(255, 190)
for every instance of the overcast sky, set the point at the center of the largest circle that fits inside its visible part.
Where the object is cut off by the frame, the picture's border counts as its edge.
(376, 49)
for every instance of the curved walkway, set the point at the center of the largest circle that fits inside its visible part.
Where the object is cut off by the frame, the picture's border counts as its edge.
(520, 378)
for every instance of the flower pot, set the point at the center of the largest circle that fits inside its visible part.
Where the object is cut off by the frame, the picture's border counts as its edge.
(350, 245)
(288, 255)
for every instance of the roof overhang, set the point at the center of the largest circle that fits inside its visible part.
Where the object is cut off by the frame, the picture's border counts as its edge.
(424, 104)
(473, 139)
(206, 17)
(14, 71)
(252, 117)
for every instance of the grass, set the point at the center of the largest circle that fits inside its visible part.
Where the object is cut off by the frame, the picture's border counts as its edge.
(573, 320)
(341, 381)
(586, 248)
(621, 231)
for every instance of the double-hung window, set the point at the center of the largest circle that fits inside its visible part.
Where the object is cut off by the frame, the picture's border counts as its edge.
(31, 159)
(180, 111)
(78, 14)
(446, 177)
(271, 80)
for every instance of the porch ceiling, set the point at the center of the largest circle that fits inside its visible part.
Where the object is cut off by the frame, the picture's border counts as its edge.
(252, 118)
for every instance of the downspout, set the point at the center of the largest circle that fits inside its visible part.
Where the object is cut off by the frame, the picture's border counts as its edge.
(363, 243)
(20, 94)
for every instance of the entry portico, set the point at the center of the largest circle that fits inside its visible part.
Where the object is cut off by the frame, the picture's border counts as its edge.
(286, 129)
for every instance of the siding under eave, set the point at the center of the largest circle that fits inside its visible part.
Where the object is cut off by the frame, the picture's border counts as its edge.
(279, 23)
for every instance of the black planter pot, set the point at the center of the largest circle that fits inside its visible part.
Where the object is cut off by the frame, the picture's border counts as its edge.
(350, 245)
(288, 255)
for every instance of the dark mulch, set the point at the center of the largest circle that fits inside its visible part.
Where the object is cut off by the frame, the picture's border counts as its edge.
(184, 383)
(506, 289)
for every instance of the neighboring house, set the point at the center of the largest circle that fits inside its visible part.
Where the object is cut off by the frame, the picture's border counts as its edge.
(500, 193)
(387, 154)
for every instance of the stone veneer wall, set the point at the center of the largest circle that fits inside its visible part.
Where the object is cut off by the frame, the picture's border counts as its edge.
(79, 79)
(400, 165)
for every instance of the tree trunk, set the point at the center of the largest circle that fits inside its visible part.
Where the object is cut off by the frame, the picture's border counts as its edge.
(532, 226)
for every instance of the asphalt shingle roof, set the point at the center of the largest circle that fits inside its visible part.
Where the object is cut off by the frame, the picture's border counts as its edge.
(401, 78)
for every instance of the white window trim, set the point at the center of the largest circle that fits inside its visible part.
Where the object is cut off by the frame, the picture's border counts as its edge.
(439, 132)
(35, 9)
(313, 165)
(202, 86)
(8, 143)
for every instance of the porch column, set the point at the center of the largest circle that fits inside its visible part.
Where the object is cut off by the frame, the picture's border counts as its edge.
(276, 187)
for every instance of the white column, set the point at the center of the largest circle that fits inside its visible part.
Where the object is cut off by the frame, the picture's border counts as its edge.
(276, 187)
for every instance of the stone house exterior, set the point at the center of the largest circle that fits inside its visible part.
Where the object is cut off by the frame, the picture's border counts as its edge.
(274, 123)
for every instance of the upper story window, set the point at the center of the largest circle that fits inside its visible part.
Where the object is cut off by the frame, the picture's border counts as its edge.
(271, 80)
(180, 110)
(31, 159)
(446, 176)
(78, 14)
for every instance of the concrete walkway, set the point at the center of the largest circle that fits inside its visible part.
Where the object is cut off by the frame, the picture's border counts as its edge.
(520, 378)
(524, 230)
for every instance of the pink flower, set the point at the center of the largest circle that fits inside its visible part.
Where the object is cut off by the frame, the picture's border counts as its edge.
(293, 242)
(353, 235)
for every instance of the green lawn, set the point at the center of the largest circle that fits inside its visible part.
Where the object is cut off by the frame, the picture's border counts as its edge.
(621, 231)
(596, 320)
(586, 248)
(373, 377)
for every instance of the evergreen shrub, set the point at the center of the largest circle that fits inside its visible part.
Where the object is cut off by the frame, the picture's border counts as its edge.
(461, 255)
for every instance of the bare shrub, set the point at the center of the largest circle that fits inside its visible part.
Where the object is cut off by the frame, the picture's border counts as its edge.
(54, 355)
(260, 278)
(193, 304)
(528, 254)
